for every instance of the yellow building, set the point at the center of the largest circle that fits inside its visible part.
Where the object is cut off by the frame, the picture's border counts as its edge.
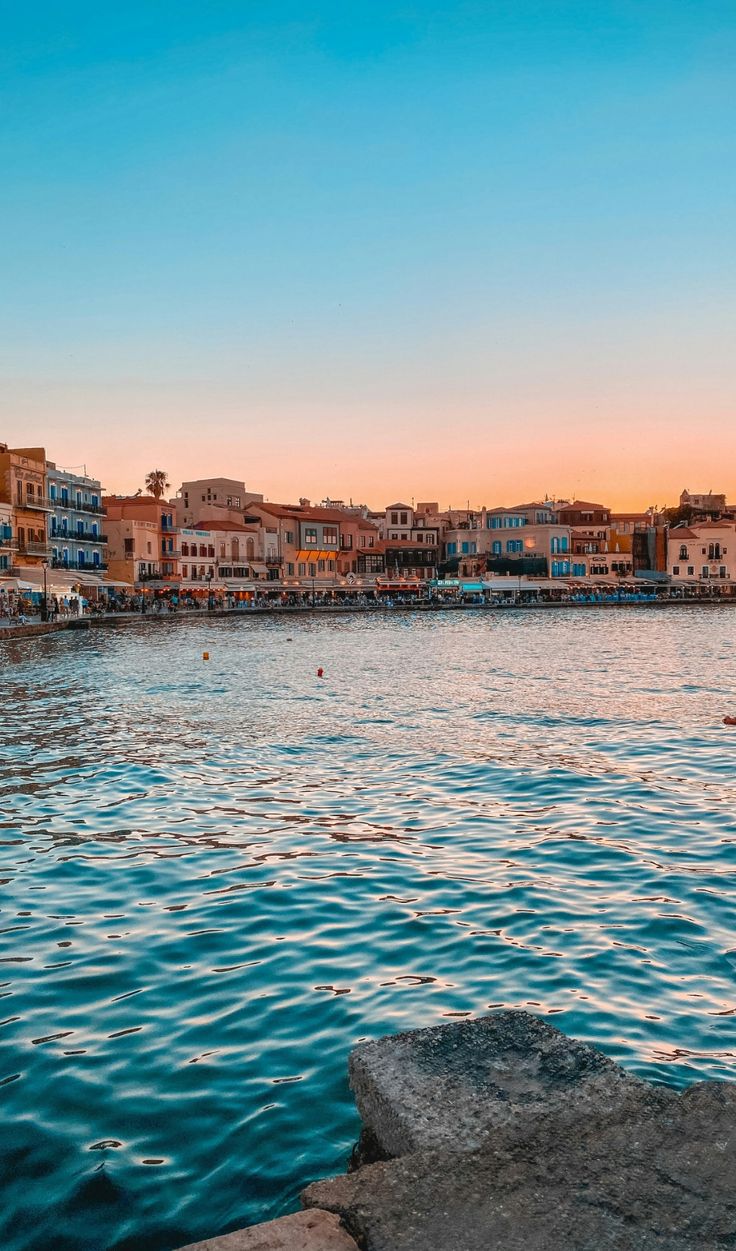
(23, 487)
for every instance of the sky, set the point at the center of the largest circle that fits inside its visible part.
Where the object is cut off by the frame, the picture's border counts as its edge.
(455, 251)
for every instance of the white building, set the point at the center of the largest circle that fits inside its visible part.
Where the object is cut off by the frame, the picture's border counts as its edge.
(702, 553)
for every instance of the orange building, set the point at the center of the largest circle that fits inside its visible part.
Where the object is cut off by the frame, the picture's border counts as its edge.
(159, 531)
(23, 487)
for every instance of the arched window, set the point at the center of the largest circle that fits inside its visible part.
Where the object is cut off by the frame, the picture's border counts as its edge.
(185, 549)
(250, 548)
(683, 552)
(235, 549)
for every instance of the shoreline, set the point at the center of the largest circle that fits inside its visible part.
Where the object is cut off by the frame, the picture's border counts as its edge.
(35, 629)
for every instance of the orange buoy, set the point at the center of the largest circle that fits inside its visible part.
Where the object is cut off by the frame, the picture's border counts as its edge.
(320, 673)
(205, 655)
(729, 720)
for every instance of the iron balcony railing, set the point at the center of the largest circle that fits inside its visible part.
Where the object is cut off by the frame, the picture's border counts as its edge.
(33, 548)
(66, 505)
(36, 503)
(70, 536)
(87, 565)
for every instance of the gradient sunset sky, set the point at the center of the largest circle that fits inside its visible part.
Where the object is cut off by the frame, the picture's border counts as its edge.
(452, 251)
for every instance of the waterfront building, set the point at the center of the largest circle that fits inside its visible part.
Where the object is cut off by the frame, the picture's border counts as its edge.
(224, 499)
(302, 541)
(702, 553)
(23, 487)
(133, 552)
(75, 526)
(524, 540)
(402, 523)
(398, 562)
(164, 560)
(7, 542)
(223, 554)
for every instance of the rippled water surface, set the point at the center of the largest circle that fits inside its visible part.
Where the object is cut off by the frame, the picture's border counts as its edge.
(217, 877)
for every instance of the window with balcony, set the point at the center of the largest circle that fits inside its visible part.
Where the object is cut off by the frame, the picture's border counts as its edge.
(683, 552)
(310, 536)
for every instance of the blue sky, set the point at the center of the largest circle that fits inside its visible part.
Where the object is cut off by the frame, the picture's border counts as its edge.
(451, 250)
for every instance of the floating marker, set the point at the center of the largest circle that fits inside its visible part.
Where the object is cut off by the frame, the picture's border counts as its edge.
(320, 673)
(205, 655)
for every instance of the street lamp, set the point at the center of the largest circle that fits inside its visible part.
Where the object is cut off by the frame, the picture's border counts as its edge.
(45, 604)
(209, 591)
(314, 598)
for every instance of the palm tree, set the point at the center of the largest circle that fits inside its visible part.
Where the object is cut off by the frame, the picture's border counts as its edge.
(157, 482)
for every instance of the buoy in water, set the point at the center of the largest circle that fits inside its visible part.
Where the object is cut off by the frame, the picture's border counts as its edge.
(205, 655)
(320, 673)
(729, 720)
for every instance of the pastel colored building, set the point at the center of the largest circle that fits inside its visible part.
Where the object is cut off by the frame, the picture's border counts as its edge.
(23, 487)
(222, 499)
(7, 542)
(703, 552)
(133, 554)
(157, 513)
(76, 535)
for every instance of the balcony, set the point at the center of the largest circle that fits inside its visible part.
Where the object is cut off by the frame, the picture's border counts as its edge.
(36, 504)
(68, 536)
(175, 554)
(31, 548)
(83, 565)
(271, 559)
(67, 505)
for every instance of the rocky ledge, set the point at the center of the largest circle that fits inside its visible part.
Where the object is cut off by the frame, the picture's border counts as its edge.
(502, 1134)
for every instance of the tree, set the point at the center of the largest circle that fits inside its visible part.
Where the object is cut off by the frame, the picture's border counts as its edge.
(157, 482)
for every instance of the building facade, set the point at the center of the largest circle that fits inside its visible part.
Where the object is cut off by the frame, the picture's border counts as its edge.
(703, 553)
(223, 499)
(77, 539)
(166, 557)
(23, 487)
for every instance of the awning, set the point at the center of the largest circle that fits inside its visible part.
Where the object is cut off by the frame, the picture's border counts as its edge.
(16, 584)
(257, 568)
(111, 582)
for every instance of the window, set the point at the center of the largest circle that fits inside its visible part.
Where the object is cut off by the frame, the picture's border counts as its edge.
(128, 547)
(676, 570)
(514, 545)
(683, 552)
(497, 547)
(465, 548)
(404, 519)
(185, 571)
(691, 570)
(394, 519)
(722, 572)
(302, 570)
(705, 571)
(347, 542)
(329, 536)
(310, 536)
(288, 536)
(148, 548)
(452, 549)
(289, 569)
(331, 566)
(313, 571)
(321, 566)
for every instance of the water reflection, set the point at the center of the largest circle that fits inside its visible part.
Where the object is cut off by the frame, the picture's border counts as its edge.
(216, 879)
